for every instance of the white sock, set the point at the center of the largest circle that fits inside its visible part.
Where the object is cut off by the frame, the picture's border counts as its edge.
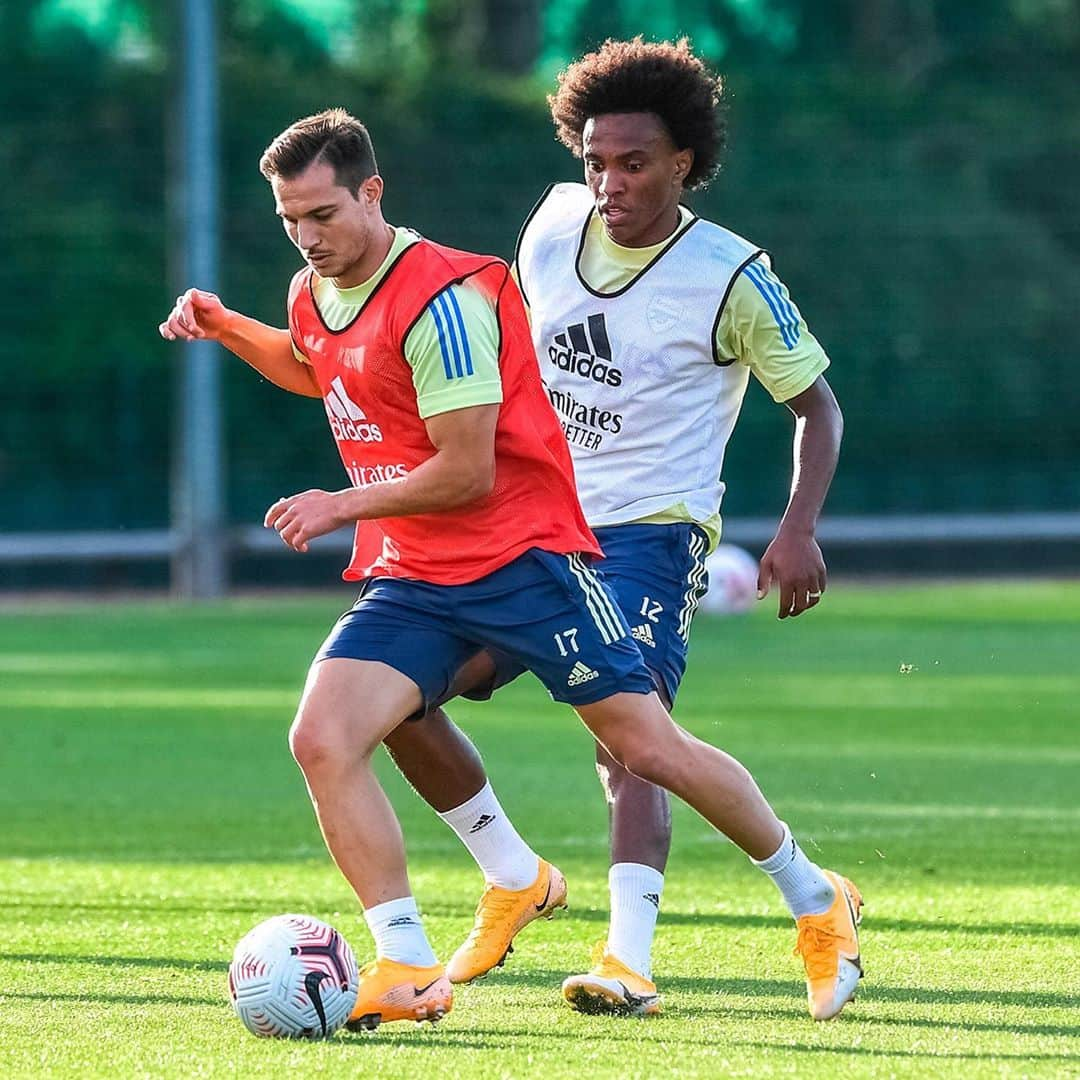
(806, 890)
(399, 933)
(492, 840)
(635, 903)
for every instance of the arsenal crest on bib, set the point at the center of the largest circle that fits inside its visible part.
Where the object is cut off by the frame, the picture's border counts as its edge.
(663, 313)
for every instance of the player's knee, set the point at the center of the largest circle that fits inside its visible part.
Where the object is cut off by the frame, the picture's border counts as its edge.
(657, 761)
(319, 745)
(652, 767)
(308, 750)
(635, 756)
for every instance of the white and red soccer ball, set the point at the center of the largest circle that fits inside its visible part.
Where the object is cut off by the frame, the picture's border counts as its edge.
(293, 977)
(733, 575)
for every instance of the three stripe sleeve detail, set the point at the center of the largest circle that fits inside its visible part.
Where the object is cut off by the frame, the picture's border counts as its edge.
(787, 318)
(453, 337)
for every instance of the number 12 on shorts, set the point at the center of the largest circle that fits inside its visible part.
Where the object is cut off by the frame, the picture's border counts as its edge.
(651, 609)
(567, 641)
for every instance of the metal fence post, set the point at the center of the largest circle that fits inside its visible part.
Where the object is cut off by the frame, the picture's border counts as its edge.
(199, 564)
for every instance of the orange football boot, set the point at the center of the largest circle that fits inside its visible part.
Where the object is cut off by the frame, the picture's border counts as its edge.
(392, 991)
(829, 946)
(500, 915)
(611, 987)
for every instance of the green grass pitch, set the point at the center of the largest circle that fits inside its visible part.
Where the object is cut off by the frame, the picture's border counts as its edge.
(150, 814)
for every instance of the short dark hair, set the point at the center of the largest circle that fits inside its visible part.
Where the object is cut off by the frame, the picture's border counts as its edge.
(664, 78)
(332, 136)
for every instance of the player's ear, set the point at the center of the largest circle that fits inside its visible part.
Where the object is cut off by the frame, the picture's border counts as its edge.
(684, 162)
(371, 190)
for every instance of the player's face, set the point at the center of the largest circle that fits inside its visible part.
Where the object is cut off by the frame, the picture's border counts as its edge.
(335, 230)
(635, 173)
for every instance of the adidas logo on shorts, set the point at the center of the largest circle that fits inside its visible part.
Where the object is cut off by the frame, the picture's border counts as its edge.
(582, 673)
(644, 634)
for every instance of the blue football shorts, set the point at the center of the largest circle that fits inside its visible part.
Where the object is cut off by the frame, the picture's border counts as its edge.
(657, 574)
(550, 614)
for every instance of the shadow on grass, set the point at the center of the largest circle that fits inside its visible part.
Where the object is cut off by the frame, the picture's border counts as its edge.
(1067, 1030)
(636, 1034)
(408, 1035)
(1011, 929)
(871, 991)
(122, 907)
(853, 1015)
(117, 961)
(795, 991)
(866, 1051)
(792, 990)
(766, 989)
(624, 1029)
(448, 1038)
(591, 915)
(115, 999)
(396, 1035)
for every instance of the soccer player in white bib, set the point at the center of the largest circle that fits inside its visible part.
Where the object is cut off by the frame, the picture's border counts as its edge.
(648, 322)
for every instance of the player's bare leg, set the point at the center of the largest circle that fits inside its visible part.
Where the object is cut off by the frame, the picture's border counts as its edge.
(347, 709)
(639, 815)
(438, 759)
(435, 755)
(640, 829)
(520, 887)
(638, 732)
(620, 979)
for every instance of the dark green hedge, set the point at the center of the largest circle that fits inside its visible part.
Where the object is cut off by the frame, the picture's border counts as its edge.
(929, 229)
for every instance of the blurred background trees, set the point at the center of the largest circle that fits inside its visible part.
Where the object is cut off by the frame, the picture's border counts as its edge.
(913, 166)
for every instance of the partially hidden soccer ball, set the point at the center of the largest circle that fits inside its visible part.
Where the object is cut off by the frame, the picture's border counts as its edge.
(732, 581)
(293, 977)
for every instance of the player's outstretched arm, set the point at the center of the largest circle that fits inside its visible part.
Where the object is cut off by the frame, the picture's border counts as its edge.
(200, 315)
(461, 470)
(793, 561)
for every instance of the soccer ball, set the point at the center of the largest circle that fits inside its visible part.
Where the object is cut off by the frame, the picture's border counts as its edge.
(732, 581)
(293, 977)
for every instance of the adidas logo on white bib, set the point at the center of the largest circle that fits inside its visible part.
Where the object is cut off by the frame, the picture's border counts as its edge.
(582, 673)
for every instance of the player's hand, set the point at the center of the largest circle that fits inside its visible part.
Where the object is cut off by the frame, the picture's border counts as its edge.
(196, 315)
(793, 561)
(301, 518)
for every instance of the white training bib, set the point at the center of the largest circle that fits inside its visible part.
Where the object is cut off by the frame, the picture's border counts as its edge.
(646, 405)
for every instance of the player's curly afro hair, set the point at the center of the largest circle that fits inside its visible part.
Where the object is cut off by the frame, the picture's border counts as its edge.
(664, 78)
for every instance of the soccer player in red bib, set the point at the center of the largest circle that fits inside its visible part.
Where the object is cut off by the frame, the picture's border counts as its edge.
(469, 534)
